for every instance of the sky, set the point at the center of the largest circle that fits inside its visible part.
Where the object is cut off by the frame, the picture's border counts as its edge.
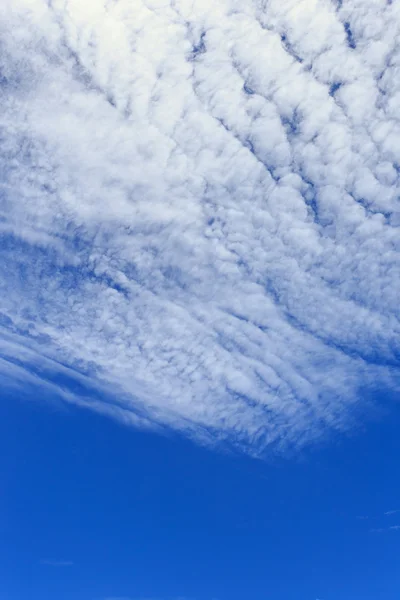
(94, 510)
(199, 279)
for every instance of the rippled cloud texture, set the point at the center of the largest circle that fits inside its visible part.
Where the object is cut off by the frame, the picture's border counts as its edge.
(200, 207)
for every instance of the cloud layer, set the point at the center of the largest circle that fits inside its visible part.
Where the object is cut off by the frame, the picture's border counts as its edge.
(200, 205)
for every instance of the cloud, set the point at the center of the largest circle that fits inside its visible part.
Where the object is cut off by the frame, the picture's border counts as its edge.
(383, 529)
(118, 598)
(142, 598)
(130, 598)
(57, 563)
(199, 210)
(389, 513)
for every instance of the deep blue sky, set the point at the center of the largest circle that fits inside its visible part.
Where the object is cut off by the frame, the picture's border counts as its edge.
(143, 516)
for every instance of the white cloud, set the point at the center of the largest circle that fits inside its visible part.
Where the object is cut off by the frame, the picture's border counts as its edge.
(200, 206)
(383, 529)
(118, 598)
(57, 563)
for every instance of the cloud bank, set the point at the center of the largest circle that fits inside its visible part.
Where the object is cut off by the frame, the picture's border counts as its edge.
(200, 208)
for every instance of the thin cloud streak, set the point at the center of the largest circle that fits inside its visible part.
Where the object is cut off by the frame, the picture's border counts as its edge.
(383, 529)
(56, 563)
(199, 210)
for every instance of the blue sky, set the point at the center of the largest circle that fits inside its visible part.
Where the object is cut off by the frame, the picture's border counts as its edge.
(92, 510)
(199, 298)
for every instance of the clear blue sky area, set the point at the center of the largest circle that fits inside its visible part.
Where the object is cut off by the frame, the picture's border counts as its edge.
(91, 510)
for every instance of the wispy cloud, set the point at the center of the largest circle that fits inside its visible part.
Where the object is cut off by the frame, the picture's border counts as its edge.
(121, 598)
(56, 563)
(199, 210)
(389, 513)
(383, 529)
(145, 598)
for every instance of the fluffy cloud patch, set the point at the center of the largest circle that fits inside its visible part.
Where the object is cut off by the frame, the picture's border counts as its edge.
(200, 205)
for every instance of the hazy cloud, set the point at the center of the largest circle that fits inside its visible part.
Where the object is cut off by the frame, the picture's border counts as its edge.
(118, 598)
(57, 563)
(383, 529)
